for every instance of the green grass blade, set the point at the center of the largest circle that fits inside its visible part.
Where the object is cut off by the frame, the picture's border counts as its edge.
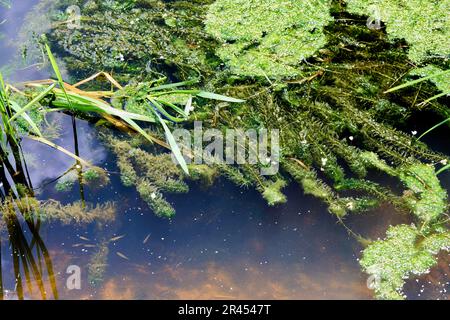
(160, 108)
(172, 106)
(443, 94)
(414, 82)
(435, 127)
(137, 128)
(174, 85)
(447, 167)
(173, 144)
(215, 96)
(55, 67)
(26, 117)
(38, 98)
(87, 104)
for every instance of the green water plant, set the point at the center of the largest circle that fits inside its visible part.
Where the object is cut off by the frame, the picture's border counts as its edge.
(427, 199)
(151, 175)
(404, 252)
(267, 38)
(339, 130)
(135, 39)
(423, 24)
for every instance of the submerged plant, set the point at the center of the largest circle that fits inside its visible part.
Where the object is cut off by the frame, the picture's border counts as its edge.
(152, 175)
(98, 264)
(133, 39)
(77, 212)
(427, 199)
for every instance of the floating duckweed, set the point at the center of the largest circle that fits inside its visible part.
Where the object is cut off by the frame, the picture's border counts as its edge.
(423, 24)
(267, 37)
(394, 259)
(427, 199)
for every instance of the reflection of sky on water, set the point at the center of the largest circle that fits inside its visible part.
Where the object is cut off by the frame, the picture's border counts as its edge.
(224, 242)
(47, 163)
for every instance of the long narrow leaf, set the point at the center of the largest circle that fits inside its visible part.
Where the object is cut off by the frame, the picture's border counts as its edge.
(414, 82)
(160, 108)
(38, 98)
(435, 127)
(59, 148)
(442, 94)
(173, 144)
(215, 96)
(26, 117)
(447, 167)
(174, 85)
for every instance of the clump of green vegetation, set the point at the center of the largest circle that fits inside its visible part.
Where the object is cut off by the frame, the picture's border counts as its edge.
(423, 24)
(151, 174)
(206, 174)
(94, 177)
(66, 183)
(142, 38)
(272, 193)
(427, 199)
(77, 212)
(52, 210)
(266, 37)
(98, 263)
(337, 124)
(403, 253)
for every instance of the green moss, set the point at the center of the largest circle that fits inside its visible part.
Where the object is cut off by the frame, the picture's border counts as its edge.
(423, 24)
(266, 37)
(400, 255)
(427, 199)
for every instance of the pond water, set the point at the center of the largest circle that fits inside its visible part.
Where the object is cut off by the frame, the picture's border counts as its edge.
(224, 242)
